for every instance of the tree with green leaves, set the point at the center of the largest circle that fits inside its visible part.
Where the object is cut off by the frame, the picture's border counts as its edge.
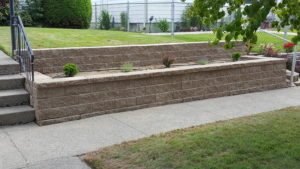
(36, 11)
(248, 17)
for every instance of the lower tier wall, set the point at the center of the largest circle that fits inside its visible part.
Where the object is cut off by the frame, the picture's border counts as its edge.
(74, 98)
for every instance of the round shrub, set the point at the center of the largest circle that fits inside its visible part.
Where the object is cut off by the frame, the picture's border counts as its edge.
(70, 70)
(68, 13)
(236, 56)
(163, 25)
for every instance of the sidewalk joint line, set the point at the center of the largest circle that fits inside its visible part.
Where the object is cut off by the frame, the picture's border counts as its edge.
(145, 134)
(15, 145)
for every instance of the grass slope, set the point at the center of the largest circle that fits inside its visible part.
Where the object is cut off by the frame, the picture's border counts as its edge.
(268, 140)
(58, 38)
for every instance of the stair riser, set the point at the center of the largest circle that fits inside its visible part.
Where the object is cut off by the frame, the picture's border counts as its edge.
(9, 69)
(17, 118)
(16, 100)
(12, 84)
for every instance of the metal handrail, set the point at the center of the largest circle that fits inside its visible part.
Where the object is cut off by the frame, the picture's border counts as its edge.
(23, 50)
(21, 25)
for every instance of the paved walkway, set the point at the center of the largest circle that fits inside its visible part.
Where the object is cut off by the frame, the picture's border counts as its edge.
(33, 147)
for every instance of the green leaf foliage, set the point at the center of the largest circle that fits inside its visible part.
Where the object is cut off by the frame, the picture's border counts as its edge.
(68, 13)
(105, 19)
(70, 70)
(236, 56)
(36, 11)
(248, 18)
(127, 67)
(163, 25)
(4, 12)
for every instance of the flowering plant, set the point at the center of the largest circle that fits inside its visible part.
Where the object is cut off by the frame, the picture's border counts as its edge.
(288, 47)
(268, 50)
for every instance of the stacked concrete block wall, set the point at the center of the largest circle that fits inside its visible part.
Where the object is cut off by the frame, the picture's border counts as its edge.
(87, 59)
(59, 100)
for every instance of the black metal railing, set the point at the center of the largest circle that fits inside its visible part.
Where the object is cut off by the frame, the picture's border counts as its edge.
(22, 50)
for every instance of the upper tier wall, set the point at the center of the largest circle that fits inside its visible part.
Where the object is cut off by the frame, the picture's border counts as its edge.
(93, 58)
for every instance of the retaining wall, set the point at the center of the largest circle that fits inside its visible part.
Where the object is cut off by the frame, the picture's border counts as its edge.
(59, 100)
(93, 58)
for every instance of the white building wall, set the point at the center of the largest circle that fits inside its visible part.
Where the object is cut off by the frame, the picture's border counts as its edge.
(160, 9)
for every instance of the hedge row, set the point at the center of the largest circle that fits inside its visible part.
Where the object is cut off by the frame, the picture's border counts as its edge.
(67, 13)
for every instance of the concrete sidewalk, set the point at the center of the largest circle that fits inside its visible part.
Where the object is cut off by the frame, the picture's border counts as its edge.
(30, 146)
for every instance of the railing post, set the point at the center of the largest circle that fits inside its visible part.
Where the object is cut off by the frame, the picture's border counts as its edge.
(12, 26)
(172, 18)
(294, 64)
(145, 14)
(286, 29)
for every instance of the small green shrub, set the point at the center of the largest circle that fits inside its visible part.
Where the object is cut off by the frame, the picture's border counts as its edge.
(127, 67)
(105, 20)
(168, 61)
(236, 56)
(123, 17)
(163, 25)
(70, 70)
(202, 62)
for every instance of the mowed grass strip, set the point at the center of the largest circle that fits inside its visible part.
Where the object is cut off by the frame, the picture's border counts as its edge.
(61, 38)
(269, 141)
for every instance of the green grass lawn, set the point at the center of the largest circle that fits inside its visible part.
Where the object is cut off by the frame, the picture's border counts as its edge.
(266, 141)
(58, 38)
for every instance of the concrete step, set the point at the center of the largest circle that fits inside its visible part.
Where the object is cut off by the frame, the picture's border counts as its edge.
(8, 65)
(15, 81)
(297, 83)
(14, 97)
(16, 115)
(295, 76)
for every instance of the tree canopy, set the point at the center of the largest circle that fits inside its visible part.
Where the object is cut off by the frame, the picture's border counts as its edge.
(248, 17)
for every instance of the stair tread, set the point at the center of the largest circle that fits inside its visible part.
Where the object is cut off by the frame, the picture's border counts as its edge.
(16, 115)
(11, 77)
(13, 92)
(15, 109)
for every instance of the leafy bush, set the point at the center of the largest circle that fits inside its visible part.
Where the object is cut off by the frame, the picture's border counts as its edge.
(123, 18)
(68, 13)
(36, 11)
(127, 67)
(168, 61)
(202, 62)
(105, 20)
(26, 18)
(163, 25)
(70, 70)
(236, 56)
(4, 12)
